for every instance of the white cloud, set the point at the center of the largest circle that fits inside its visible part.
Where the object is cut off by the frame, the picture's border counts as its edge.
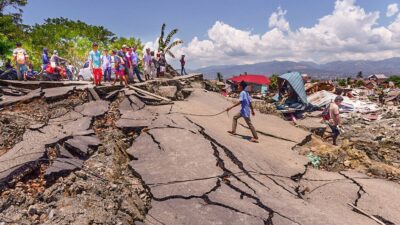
(277, 19)
(347, 33)
(392, 9)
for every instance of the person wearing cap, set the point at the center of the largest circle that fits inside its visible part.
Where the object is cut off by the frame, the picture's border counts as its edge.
(183, 62)
(334, 118)
(20, 57)
(134, 62)
(95, 64)
(245, 102)
(55, 60)
(118, 67)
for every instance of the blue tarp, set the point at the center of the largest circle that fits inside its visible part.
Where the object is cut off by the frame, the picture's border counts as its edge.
(297, 83)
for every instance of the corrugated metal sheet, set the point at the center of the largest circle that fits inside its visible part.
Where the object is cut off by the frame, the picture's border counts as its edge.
(297, 83)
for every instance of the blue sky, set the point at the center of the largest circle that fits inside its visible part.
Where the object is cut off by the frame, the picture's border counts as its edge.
(197, 18)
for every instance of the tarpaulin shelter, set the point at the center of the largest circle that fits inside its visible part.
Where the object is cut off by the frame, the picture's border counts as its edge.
(295, 80)
(251, 78)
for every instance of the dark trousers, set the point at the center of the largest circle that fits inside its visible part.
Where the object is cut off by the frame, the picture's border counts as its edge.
(107, 74)
(136, 70)
(335, 133)
(183, 70)
(249, 124)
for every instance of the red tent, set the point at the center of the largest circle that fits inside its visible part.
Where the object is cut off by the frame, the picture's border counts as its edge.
(251, 78)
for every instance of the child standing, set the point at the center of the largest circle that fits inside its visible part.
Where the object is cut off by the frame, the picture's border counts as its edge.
(95, 64)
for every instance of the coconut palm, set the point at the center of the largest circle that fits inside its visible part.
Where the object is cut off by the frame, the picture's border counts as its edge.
(165, 46)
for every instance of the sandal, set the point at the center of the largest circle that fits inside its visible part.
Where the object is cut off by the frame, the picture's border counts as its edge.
(254, 140)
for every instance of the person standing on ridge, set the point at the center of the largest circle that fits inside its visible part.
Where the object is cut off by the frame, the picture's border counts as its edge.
(106, 62)
(182, 61)
(245, 102)
(45, 58)
(135, 64)
(20, 58)
(126, 62)
(334, 118)
(95, 64)
(147, 64)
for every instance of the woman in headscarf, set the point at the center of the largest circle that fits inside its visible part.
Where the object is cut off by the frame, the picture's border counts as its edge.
(45, 58)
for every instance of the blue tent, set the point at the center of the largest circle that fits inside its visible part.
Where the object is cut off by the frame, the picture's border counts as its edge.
(296, 82)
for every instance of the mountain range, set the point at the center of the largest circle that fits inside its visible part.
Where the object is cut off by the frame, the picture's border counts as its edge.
(319, 71)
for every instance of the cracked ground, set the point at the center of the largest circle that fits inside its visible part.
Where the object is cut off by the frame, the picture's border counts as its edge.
(165, 165)
(199, 174)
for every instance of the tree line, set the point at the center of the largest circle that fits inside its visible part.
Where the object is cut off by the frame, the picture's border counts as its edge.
(72, 39)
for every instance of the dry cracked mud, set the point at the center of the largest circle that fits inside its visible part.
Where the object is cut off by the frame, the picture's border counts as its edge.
(170, 164)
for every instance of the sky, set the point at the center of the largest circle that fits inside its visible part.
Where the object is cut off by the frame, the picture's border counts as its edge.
(226, 32)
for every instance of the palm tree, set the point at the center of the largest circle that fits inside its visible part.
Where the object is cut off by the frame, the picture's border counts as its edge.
(164, 46)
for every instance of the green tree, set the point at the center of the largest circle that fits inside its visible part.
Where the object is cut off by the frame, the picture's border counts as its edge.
(395, 79)
(11, 28)
(273, 85)
(16, 5)
(165, 45)
(72, 39)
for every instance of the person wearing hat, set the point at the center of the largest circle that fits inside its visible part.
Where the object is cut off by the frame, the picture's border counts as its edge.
(183, 62)
(95, 64)
(55, 60)
(245, 102)
(123, 54)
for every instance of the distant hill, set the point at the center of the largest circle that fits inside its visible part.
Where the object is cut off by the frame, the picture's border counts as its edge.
(321, 71)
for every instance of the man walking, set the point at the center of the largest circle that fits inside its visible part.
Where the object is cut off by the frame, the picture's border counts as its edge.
(334, 118)
(183, 71)
(20, 58)
(245, 102)
(95, 64)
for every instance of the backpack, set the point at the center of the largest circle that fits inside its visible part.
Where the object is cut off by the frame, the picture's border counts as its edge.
(20, 56)
(325, 114)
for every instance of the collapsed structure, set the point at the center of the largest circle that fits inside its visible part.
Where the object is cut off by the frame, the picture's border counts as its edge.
(152, 154)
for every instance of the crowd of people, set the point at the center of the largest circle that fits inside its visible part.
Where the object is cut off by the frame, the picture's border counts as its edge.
(122, 64)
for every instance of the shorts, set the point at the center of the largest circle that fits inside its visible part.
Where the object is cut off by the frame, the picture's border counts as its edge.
(335, 130)
(119, 73)
(22, 68)
(126, 70)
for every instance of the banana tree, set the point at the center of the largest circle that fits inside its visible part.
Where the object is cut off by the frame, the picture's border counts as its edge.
(165, 46)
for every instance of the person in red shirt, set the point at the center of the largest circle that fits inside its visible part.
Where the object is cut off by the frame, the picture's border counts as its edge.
(183, 65)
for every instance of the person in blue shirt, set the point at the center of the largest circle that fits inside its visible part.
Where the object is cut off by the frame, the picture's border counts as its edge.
(45, 58)
(245, 102)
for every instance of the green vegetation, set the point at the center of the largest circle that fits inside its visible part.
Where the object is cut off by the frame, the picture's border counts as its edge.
(72, 39)
(342, 82)
(164, 46)
(395, 79)
(273, 86)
